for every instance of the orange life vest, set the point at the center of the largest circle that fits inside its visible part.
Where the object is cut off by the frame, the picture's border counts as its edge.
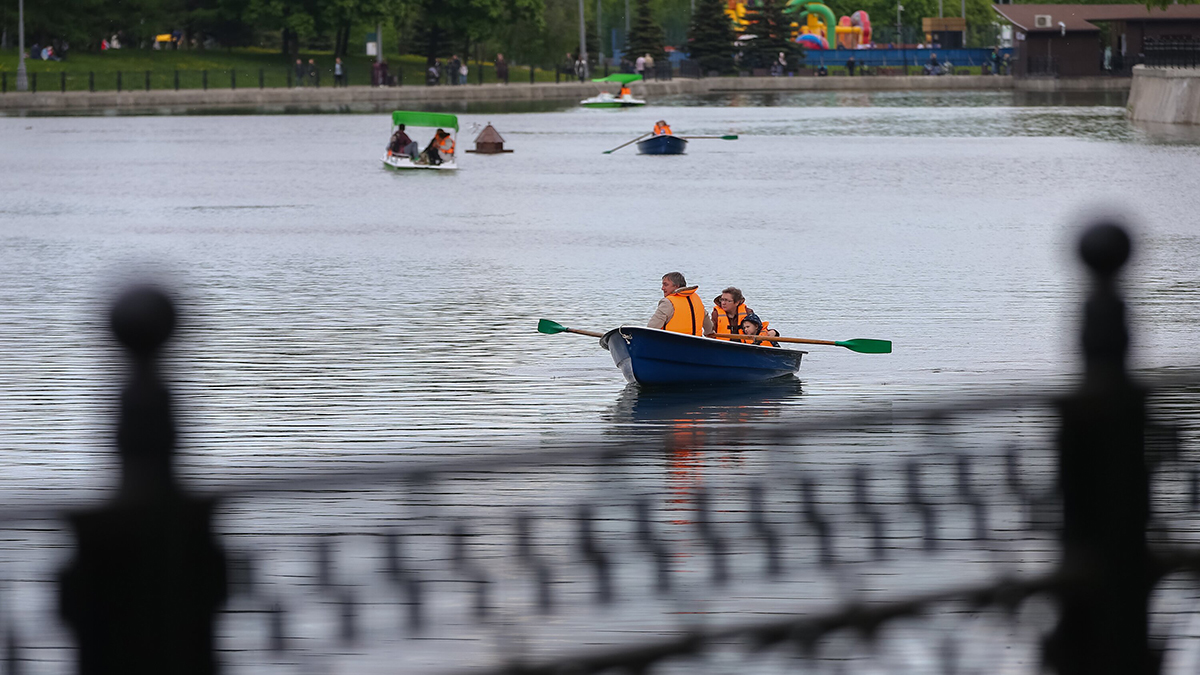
(721, 320)
(446, 145)
(661, 130)
(689, 312)
(625, 92)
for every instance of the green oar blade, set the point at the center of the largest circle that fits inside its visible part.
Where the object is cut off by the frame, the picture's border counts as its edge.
(866, 346)
(729, 137)
(550, 327)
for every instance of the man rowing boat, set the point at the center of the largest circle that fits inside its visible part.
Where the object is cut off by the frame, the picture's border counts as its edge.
(680, 310)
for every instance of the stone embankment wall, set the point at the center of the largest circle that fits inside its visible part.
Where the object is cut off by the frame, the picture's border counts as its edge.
(1165, 95)
(418, 97)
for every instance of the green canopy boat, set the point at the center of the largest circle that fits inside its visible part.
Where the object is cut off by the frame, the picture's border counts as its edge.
(423, 120)
(607, 100)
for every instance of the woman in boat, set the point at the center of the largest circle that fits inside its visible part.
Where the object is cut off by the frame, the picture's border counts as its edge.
(729, 310)
(661, 128)
(752, 325)
(441, 143)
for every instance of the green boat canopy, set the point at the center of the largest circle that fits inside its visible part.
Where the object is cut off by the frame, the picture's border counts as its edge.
(424, 119)
(623, 78)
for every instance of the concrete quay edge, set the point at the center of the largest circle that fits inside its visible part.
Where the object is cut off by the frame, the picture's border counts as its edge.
(359, 98)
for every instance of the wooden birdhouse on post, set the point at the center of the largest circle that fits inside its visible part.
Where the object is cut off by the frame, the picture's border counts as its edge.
(489, 142)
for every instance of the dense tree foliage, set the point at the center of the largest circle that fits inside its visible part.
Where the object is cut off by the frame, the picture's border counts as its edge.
(770, 34)
(537, 31)
(711, 36)
(646, 35)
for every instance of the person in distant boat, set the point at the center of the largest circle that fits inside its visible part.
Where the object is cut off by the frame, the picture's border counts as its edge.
(446, 145)
(401, 144)
(752, 325)
(680, 310)
(441, 144)
(625, 93)
(661, 128)
(729, 311)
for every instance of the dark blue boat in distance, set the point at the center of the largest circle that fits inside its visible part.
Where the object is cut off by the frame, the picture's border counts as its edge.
(664, 144)
(650, 356)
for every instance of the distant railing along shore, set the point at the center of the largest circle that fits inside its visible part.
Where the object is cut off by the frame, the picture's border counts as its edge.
(886, 62)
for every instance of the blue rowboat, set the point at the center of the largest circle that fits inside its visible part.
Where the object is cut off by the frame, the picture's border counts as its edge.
(664, 144)
(650, 356)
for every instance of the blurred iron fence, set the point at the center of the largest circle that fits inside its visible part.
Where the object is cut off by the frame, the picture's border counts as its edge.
(1002, 533)
(1172, 52)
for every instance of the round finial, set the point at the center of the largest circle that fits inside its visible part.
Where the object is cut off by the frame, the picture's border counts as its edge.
(142, 319)
(1104, 248)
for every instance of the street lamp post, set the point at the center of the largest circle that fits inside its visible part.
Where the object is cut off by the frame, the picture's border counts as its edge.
(900, 38)
(22, 78)
(600, 35)
(583, 40)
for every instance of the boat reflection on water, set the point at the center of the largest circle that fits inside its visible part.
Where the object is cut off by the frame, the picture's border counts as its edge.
(695, 418)
(699, 429)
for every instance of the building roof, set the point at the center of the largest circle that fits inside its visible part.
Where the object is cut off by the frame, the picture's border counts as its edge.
(1080, 17)
(489, 135)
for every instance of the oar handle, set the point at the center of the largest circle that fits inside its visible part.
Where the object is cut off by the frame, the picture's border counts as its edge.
(802, 341)
(608, 152)
(591, 333)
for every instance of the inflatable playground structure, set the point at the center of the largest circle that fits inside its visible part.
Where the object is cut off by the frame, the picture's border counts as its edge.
(814, 23)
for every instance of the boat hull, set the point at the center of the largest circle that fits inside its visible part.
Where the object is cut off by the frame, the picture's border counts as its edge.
(611, 102)
(403, 163)
(649, 356)
(662, 145)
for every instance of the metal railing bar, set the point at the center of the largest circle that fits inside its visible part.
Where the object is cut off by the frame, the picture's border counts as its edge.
(865, 617)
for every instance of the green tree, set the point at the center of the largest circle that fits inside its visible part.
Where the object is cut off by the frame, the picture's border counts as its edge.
(445, 26)
(645, 35)
(769, 32)
(711, 36)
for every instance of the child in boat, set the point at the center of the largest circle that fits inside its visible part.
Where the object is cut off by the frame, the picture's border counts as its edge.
(752, 325)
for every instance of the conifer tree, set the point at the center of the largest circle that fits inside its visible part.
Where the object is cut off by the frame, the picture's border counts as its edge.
(711, 37)
(772, 31)
(645, 35)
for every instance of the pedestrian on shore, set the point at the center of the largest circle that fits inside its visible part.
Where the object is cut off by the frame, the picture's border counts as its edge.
(851, 64)
(431, 75)
(314, 77)
(501, 69)
(453, 67)
(299, 73)
(649, 66)
(639, 66)
(339, 73)
(463, 71)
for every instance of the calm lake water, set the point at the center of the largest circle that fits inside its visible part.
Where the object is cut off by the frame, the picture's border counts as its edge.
(335, 314)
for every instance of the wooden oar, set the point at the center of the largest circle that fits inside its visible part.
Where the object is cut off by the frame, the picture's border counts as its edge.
(727, 137)
(550, 328)
(609, 152)
(861, 345)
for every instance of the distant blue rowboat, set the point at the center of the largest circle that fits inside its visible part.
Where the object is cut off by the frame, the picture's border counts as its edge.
(655, 357)
(662, 145)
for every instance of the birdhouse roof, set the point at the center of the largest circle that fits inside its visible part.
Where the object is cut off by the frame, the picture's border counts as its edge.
(489, 135)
